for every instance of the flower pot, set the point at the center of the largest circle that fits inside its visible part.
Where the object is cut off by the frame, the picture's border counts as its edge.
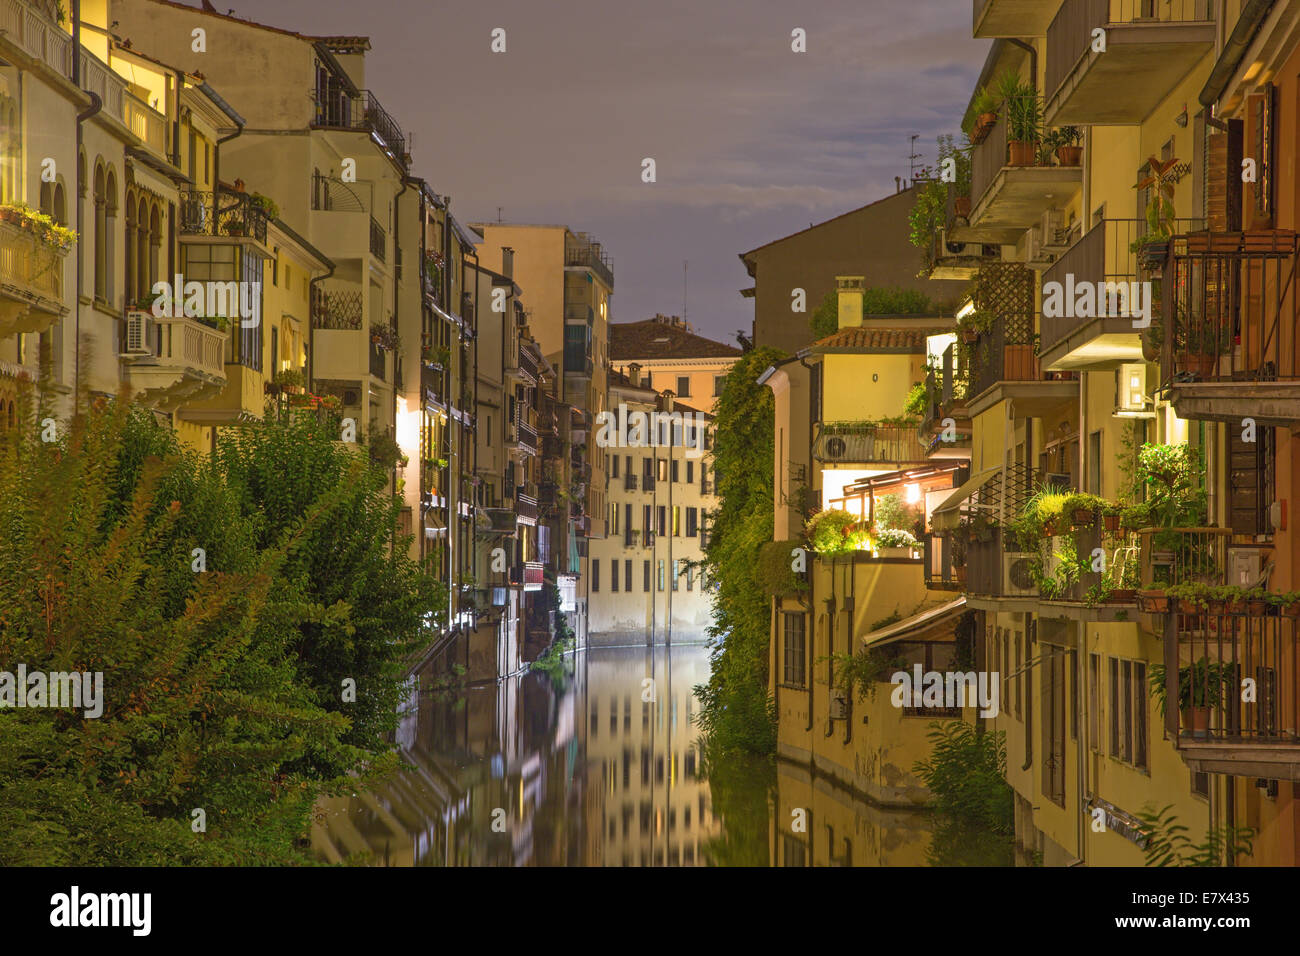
(1256, 607)
(1216, 605)
(1069, 155)
(1152, 255)
(1150, 351)
(1084, 518)
(895, 552)
(1111, 522)
(1190, 608)
(970, 336)
(1121, 596)
(1049, 528)
(1153, 602)
(1196, 721)
(1022, 154)
(1234, 606)
(1292, 609)
(961, 206)
(1200, 364)
(984, 124)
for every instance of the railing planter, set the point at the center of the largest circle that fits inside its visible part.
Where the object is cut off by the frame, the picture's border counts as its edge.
(1069, 155)
(1084, 518)
(984, 124)
(961, 206)
(1153, 602)
(1022, 153)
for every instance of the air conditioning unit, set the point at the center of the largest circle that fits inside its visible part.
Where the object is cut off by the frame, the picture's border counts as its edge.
(1245, 567)
(834, 448)
(352, 397)
(138, 327)
(1036, 254)
(1017, 575)
(1052, 232)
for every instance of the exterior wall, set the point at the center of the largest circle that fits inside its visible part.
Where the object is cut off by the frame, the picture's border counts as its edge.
(868, 387)
(871, 240)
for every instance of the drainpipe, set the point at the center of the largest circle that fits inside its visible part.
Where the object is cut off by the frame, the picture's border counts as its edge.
(311, 326)
(1033, 58)
(830, 615)
(1252, 15)
(216, 162)
(96, 104)
(176, 127)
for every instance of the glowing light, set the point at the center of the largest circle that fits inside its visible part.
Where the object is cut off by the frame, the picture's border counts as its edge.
(913, 493)
(966, 309)
(407, 429)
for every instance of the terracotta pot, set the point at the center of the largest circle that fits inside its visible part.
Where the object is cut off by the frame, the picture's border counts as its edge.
(1022, 154)
(961, 206)
(1149, 351)
(1234, 606)
(1083, 517)
(1121, 596)
(1256, 607)
(1200, 364)
(1049, 528)
(1153, 602)
(1196, 721)
(1291, 610)
(984, 124)
(1069, 155)
(1111, 522)
(970, 336)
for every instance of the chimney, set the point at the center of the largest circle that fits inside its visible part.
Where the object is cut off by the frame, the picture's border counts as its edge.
(850, 291)
(634, 373)
(508, 262)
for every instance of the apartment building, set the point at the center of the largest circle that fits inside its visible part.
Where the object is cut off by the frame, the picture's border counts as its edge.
(646, 580)
(673, 357)
(1068, 378)
(847, 452)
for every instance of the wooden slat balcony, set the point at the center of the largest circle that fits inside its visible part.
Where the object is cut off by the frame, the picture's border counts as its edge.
(1231, 327)
(867, 442)
(1151, 45)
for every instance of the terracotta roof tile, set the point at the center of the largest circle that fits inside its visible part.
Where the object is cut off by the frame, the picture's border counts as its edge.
(650, 339)
(874, 340)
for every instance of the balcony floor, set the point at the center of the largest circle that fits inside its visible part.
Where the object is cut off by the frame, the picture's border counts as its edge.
(1100, 343)
(1280, 761)
(1269, 403)
(1016, 200)
(1031, 399)
(1011, 18)
(1142, 63)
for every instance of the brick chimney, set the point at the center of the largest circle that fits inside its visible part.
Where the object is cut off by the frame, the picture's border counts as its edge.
(850, 291)
(634, 373)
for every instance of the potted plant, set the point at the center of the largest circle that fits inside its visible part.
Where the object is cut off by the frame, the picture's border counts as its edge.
(1066, 141)
(1256, 602)
(983, 115)
(1200, 687)
(1153, 246)
(1020, 100)
(265, 204)
(291, 380)
(1110, 518)
(895, 543)
(1083, 509)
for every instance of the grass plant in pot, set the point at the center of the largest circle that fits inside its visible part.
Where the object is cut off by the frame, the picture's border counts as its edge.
(1024, 118)
(1200, 688)
(1065, 142)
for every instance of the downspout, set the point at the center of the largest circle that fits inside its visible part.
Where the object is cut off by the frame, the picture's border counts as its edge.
(216, 160)
(1033, 58)
(397, 299)
(96, 104)
(1234, 49)
(176, 127)
(830, 616)
(311, 325)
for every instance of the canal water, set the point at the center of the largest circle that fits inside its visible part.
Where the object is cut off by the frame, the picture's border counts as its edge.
(601, 767)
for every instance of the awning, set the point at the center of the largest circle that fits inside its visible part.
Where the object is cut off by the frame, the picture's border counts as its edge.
(938, 623)
(946, 516)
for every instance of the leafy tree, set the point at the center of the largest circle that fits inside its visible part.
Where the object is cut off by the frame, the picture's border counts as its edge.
(1167, 842)
(966, 772)
(736, 710)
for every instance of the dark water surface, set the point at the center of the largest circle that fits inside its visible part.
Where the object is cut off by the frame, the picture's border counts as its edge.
(601, 768)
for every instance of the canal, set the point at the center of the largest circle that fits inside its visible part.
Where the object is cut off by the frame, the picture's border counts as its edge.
(601, 767)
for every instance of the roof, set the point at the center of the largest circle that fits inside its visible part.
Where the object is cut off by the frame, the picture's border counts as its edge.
(744, 256)
(649, 339)
(865, 339)
(936, 624)
(208, 9)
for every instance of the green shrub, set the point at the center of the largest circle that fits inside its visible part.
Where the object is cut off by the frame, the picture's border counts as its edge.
(828, 531)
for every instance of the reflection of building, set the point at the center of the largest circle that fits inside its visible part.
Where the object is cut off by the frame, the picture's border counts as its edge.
(655, 807)
(645, 580)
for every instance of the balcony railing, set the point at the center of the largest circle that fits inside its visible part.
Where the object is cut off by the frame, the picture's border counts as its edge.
(631, 538)
(1172, 556)
(1105, 255)
(1004, 354)
(988, 158)
(31, 272)
(866, 441)
(40, 38)
(527, 364)
(529, 575)
(629, 482)
(336, 307)
(378, 240)
(527, 436)
(339, 109)
(221, 213)
(1229, 308)
(191, 344)
(1217, 651)
(940, 572)
(526, 507)
(378, 361)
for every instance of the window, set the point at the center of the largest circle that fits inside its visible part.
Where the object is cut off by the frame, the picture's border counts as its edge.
(676, 476)
(646, 527)
(690, 579)
(663, 469)
(661, 574)
(1094, 702)
(1128, 711)
(595, 574)
(690, 472)
(1053, 677)
(719, 383)
(677, 521)
(676, 573)
(614, 463)
(683, 386)
(1251, 481)
(627, 576)
(663, 521)
(613, 576)
(692, 521)
(645, 580)
(794, 650)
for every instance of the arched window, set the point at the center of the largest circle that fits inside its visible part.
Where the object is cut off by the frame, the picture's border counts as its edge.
(155, 242)
(60, 212)
(110, 219)
(101, 234)
(47, 199)
(134, 290)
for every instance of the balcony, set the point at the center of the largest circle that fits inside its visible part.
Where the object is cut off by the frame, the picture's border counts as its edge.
(552, 447)
(31, 281)
(1007, 200)
(1151, 45)
(1110, 333)
(1230, 327)
(527, 365)
(378, 240)
(631, 538)
(951, 256)
(336, 307)
(170, 361)
(629, 482)
(526, 509)
(867, 442)
(339, 109)
(498, 521)
(1215, 731)
(1006, 368)
(586, 252)
(39, 37)
(1010, 18)
(529, 575)
(221, 215)
(527, 437)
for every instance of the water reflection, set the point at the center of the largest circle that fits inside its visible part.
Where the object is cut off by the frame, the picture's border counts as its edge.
(600, 769)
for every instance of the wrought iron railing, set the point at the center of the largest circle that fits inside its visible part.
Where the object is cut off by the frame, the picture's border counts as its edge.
(221, 213)
(339, 109)
(585, 251)
(336, 308)
(378, 240)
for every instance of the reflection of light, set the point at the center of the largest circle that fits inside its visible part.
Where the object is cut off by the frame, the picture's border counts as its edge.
(913, 493)
(408, 428)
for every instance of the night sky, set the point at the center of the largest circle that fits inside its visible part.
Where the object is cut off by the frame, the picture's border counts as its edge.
(751, 140)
